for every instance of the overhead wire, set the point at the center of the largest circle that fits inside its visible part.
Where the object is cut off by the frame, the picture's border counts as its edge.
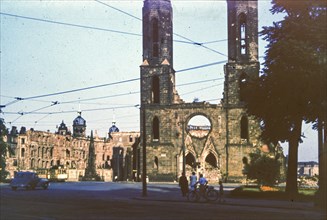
(201, 89)
(108, 84)
(103, 29)
(185, 38)
(69, 24)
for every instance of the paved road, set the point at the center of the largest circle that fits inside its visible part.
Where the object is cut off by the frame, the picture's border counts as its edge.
(99, 200)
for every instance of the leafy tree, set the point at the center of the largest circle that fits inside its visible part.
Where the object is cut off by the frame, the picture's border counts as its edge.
(292, 87)
(3, 149)
(262, 167)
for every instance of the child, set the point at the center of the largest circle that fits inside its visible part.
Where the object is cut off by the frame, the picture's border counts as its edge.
(221, 192)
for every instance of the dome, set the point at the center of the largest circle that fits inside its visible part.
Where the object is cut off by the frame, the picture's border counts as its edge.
(79, 121)
(113, 128)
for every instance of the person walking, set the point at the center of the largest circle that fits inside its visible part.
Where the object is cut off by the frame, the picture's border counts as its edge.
(183, 183)
(193, 180)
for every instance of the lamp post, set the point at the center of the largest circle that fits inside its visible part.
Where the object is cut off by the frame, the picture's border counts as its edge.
(144, 184)
(183, 147)
(182, 123)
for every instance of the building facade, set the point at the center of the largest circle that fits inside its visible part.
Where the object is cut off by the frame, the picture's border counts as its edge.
(173, 144)
(35, 150)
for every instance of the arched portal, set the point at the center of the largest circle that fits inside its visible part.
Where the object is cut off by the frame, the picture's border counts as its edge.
(190, 161)
(211, 160)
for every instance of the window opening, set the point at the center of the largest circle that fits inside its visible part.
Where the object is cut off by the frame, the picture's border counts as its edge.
(242, 83)
(156, 163)
(190, 160)
(243, 34)
(244, 128)
(155, 38)
(155, 129)
(155, 90)
(211, 161)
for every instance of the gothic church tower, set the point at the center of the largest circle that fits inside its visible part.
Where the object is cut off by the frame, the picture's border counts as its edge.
(157, 73)
(241, 130)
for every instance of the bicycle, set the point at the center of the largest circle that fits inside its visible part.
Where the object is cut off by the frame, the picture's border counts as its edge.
(209, 194)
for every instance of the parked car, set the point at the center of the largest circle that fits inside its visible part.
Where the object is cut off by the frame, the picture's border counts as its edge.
(28, 180)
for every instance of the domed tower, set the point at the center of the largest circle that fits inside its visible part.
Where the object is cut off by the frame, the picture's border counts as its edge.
(112, 129)
(79, 126)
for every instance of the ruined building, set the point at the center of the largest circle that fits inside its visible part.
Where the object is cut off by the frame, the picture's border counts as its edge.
(216, 148)
(35, 150)
(173, 142)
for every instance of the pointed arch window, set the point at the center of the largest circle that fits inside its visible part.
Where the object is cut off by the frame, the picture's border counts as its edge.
(155, 90)
(155, 38)
(244, 128)
(156, 163)
(155, 129)
(190, 160)
(242, 26)
(211, 160)
(242, 83)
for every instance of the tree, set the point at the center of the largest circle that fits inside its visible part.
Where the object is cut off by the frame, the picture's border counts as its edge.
(263, 167)
(292, 87)
(3, 149)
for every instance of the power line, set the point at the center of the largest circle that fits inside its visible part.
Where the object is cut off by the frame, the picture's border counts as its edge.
(108, 84)
(185, 38)
(81, 89)
(70, 24)
(103, 97)
(201, 66)
(201, 89)
(119, 10)
(196, 82)
(71, 111)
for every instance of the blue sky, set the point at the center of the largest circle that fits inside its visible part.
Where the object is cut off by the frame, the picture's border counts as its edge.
(55, 46)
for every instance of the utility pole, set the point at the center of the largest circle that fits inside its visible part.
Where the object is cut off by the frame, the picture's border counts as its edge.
(144, 184)
(183, 147)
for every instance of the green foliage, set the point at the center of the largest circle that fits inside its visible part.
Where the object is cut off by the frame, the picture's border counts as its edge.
(263, 168)
(3, 149)
(292, 87)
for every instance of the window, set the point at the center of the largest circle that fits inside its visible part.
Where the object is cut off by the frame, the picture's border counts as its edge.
(242, 25)
(130, 138)
(242, 83)
(23, 140)
(155, 38)
(155, 90)
(211, 160)
(190, 160)
(23, 152)
(244, 128)
(156, 163)
(155, 129)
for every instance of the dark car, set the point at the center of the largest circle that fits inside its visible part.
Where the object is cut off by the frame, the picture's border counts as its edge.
(28, 180)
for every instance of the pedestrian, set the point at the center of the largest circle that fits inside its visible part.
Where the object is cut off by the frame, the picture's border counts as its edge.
(193, 180)
(221, 192)
(183, 183)
(203, 182)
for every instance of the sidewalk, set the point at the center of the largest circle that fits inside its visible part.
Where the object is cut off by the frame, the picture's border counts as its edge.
(174, 195)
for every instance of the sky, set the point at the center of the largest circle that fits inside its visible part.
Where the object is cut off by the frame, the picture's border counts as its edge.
(59, 57)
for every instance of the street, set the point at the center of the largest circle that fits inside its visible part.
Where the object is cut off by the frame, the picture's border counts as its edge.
(107, 200)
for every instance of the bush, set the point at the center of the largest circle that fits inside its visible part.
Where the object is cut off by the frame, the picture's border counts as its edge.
(263, 168)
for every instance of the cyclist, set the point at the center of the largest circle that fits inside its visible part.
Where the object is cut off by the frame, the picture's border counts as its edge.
(203, 182)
